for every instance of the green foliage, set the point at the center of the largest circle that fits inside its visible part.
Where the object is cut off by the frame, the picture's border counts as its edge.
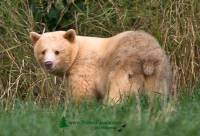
(176, 25)
(177, 117)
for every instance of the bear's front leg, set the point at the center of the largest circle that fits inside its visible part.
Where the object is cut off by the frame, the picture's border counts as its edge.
(81, 88)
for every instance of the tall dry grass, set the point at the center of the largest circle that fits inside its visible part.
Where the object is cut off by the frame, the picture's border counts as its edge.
(175, 23)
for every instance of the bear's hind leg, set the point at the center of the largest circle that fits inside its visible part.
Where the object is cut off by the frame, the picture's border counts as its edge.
(122, 84)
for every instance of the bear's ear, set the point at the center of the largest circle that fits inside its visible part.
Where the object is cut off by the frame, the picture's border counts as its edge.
(34, 37)
(70, 35)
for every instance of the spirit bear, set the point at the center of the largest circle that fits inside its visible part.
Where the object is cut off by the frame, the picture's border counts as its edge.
(104, 68)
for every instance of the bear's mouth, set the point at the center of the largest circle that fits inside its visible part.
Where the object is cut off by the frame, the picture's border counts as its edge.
(56, 72)
(50, 70)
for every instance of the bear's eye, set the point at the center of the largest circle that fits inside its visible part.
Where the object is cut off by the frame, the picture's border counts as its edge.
(57, 52)
(43, 52)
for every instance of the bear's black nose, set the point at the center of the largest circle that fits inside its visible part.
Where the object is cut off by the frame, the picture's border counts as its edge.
(48, 64)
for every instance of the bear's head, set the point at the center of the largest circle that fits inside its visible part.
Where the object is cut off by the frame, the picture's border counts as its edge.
(55, 51)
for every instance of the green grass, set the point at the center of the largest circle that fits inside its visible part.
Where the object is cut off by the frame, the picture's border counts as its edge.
(176, 25)
(178, 117)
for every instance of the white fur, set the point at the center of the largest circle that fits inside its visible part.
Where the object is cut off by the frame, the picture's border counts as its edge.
(50, 56)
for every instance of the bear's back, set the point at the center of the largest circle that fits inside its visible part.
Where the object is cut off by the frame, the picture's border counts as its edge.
(129, 47)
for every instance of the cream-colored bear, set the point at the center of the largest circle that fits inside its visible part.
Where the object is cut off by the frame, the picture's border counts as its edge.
(101, 68)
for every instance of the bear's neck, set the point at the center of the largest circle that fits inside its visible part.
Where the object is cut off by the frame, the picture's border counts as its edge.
(91, 46)
(91, 43)
(74, 56)
(90, 49)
